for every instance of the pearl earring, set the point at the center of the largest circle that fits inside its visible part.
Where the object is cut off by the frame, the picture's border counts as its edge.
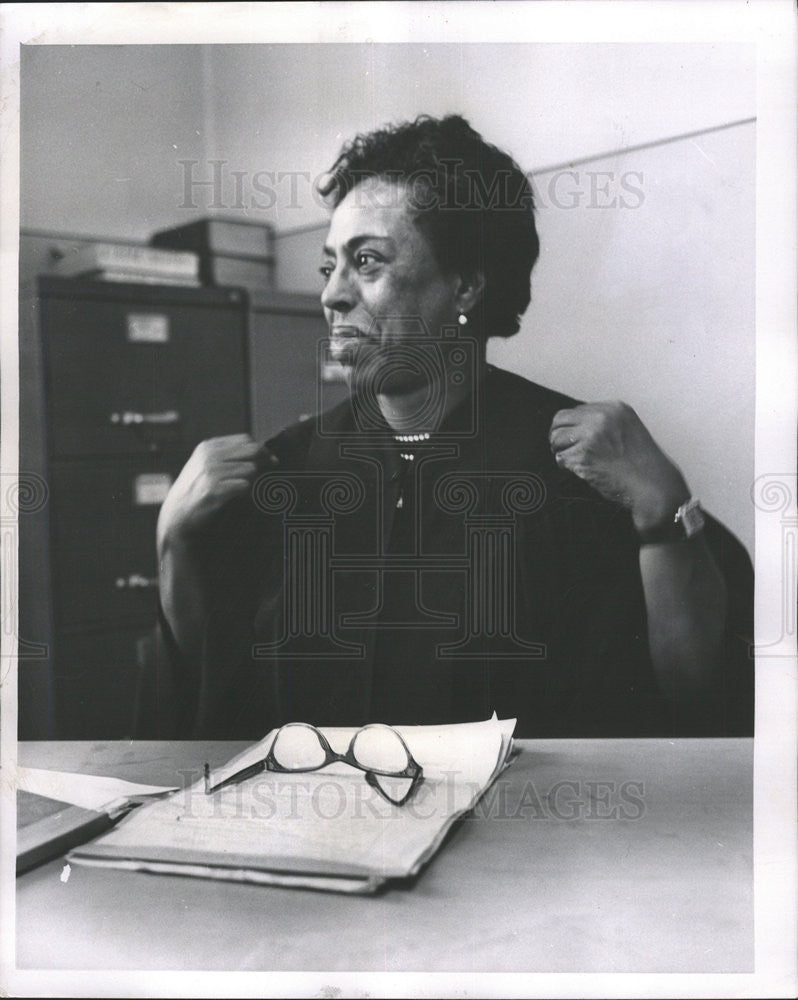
(462, 319)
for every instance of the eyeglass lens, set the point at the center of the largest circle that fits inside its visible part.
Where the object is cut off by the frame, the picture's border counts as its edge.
(376, 748)
(380, 749)
(298, 747)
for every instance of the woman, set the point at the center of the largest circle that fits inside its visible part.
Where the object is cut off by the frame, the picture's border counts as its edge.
(452, 539)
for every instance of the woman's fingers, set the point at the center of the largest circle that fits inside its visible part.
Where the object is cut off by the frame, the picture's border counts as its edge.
(561, 438)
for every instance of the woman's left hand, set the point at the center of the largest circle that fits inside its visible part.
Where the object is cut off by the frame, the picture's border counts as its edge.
(608, 446)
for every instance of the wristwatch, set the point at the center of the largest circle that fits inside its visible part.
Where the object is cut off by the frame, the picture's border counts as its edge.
(687, 522)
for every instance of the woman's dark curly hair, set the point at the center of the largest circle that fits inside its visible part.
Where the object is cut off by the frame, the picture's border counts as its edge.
(472, 201)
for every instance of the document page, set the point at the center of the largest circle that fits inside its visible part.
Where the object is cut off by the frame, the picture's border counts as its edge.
(330, 822)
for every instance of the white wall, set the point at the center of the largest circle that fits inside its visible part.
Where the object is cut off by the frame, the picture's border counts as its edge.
(653, 303)
(102, 130)
(289, 107)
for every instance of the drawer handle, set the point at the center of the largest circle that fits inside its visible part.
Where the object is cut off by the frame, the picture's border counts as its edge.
(136, 582)
(129, 419)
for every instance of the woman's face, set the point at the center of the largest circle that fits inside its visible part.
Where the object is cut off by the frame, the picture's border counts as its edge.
(384, 290)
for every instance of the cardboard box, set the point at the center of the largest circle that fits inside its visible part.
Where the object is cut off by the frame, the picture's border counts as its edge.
(229, 237)
(251, 273)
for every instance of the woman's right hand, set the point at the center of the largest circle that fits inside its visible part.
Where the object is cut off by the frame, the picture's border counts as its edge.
(219, 470)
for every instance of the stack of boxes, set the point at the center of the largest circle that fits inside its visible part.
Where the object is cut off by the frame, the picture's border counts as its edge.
(231, 251)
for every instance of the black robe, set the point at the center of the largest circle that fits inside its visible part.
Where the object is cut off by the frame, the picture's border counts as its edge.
(498, 582)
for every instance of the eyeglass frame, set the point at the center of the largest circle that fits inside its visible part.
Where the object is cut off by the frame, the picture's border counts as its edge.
(413, 770)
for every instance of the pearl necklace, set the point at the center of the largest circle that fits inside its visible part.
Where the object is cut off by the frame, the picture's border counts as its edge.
(408, 438)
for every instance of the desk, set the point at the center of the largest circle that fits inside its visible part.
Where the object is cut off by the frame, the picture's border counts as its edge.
(588, 856)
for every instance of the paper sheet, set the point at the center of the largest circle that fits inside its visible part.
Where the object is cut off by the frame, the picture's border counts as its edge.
(88, 791)
(328, 822)
(469, 749)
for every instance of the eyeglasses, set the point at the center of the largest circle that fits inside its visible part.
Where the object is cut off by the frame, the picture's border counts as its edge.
(378, 750)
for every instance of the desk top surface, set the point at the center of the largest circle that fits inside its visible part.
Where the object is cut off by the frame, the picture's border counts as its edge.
(586, 856)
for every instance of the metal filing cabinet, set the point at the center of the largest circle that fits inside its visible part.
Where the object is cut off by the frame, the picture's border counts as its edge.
(119, 383)
(291, 377)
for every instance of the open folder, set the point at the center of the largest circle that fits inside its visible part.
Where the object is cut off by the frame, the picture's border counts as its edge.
(326, 829)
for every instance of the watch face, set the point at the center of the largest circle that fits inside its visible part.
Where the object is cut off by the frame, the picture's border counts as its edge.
(691, 517)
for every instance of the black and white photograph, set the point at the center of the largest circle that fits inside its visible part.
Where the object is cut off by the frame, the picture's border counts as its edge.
(399, 499)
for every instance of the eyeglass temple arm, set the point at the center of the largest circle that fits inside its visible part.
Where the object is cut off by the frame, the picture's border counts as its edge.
(233, 779)
(413, 770)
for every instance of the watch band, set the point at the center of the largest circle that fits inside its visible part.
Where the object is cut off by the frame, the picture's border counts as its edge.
(686, 522)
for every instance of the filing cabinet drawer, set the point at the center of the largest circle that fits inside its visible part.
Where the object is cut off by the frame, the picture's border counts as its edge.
(286, 353)
(123, 380)
(97, 681)
(127, 375)
(103, 526)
